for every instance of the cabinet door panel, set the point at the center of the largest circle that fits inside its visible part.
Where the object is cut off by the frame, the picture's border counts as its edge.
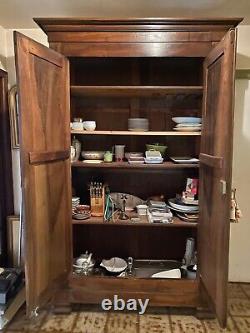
(43, 90)
(215, 173)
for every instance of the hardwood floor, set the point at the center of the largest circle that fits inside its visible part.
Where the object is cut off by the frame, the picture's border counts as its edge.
(168, 320)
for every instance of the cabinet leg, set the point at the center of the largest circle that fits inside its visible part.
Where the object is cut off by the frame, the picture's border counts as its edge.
(204, 313)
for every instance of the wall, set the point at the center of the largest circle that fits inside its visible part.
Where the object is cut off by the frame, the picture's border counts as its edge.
(240, 244)
(3, 49)
(239, 269)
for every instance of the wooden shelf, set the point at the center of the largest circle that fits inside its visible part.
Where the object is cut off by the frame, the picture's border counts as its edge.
(149, 133)
(126, 165)
(135, 91)
(177, 223)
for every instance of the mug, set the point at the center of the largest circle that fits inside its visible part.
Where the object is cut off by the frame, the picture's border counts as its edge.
(119, 153)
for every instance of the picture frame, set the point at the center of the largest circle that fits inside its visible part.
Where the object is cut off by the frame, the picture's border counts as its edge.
(14, 240)
(14, 117)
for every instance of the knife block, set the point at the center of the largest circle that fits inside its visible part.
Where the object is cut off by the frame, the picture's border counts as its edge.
(97, 205)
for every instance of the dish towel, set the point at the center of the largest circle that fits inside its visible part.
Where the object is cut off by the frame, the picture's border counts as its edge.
(235, 213)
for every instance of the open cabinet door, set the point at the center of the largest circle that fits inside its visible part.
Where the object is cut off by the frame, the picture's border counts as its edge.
(215, 173)
(43, 94)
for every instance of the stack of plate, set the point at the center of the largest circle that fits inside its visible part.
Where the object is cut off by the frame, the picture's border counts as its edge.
(138, 124)
(187, 124)
(75, 202)
(186, 212)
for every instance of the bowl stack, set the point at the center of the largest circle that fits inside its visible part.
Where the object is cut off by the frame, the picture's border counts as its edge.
(187, 124)
(138, 124)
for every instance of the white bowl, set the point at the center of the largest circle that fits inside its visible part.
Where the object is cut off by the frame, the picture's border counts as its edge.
(89, 125)
(114, 265)
(77, 126)
(193, 120)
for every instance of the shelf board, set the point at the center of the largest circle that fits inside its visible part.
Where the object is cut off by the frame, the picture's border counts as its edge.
(135, 91)
(149, 133)
(126, 165)
(177, 223)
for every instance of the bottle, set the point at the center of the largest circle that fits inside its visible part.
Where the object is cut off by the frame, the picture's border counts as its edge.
(77, 145)
(189, 253)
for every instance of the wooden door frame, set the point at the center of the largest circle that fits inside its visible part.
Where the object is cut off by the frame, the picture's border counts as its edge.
(6, 188)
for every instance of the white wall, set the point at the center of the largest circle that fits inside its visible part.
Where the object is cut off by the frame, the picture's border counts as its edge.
(240, 233)
(239, 268)
(3, 49)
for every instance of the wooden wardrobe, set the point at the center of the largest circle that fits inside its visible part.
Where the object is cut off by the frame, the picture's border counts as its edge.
(109, 70)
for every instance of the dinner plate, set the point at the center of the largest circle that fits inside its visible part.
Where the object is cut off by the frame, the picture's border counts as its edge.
(187, 129)
(193, 120)
(188, 125)
(93, 161)
(187, 160)
(182, 207)
(186, 219)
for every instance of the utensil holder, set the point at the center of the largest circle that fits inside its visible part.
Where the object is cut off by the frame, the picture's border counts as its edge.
(97, 205)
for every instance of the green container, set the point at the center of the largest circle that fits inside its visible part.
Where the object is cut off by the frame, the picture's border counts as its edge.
(158, 147)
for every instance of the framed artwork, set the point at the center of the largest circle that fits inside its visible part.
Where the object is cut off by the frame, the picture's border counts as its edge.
(14, 117)
(14, 240)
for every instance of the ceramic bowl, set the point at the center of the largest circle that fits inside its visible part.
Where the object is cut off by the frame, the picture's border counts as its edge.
(77, 126)
(114, 265)
(89, 125)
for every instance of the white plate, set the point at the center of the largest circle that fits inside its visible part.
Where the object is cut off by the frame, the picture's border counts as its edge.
(187, 129)
(188, 125)
(193, 120)
(183, 207)
(171, 274)
(93, 161)
(184, 160)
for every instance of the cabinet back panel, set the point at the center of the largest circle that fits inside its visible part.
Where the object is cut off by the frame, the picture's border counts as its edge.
(142, 183)
(113, 113)
(135, 71)
(139, 242)
(176, 146)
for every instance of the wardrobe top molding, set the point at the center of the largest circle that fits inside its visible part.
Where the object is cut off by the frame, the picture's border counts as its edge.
(138, 37)
(136, 24)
